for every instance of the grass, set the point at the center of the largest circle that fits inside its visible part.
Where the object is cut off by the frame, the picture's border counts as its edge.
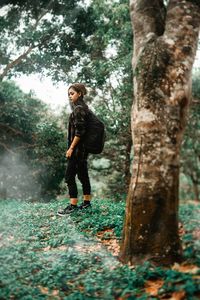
(48, 257)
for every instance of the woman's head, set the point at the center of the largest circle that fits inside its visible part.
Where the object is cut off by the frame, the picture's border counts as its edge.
(76, 91)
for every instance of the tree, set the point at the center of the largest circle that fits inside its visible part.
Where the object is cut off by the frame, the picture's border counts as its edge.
(165, 43)
(43, 36)
(32, 146)
(47, 45)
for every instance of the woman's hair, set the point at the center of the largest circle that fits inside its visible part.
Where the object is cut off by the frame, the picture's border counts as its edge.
(79, 88)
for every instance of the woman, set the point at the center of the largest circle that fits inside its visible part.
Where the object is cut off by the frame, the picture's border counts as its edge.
(76, 154)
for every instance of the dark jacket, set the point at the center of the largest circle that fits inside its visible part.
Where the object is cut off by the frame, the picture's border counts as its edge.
(78, 126)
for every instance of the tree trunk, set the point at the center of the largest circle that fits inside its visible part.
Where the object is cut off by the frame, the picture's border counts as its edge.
(165, 42)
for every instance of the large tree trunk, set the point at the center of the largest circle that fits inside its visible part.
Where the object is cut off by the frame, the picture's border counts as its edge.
(165, 42)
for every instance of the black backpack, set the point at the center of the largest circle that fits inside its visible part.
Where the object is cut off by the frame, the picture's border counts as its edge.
(95, 134)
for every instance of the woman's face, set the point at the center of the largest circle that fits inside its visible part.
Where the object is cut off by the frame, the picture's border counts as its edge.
(73, 95)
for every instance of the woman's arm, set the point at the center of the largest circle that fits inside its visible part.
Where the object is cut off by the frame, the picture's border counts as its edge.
(72, 146)
(80, 127)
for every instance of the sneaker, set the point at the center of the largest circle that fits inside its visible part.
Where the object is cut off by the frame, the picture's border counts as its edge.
(85, 205)
(68, 210)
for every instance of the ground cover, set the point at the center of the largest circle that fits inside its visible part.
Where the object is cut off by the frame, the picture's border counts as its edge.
(44, 256)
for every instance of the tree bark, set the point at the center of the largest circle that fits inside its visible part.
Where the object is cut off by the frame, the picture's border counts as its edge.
(165, 43)
(127, 162)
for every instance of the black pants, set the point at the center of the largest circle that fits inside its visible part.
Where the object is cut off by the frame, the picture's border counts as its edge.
(77, 166)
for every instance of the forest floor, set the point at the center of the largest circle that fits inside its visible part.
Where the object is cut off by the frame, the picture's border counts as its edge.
(44, 256)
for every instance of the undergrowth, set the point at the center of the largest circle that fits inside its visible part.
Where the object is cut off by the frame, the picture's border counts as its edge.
(44, 256)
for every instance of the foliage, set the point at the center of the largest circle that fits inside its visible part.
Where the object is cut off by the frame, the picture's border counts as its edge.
(107, 215)
(107, 68)
(32, 145)
(92, 44)
(190, 154)
(45, 256)
(49, 156)
(190, 218)
(43, 36)
(60, 43)
(196, 84)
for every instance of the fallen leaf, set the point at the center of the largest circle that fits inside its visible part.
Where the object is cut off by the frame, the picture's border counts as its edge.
(55, 293)
(10, 237)
(87, 248)
(81, 288)
(152, 286)
(111, 242)
(46, 248)
(44, 290)
(192, 269)
(179, 295)
(63, 247)
(181, 229)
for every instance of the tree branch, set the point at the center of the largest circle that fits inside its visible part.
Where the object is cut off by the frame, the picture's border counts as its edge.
(25, 145)
(6, 148)
(44, 12)
(7, 127)
(16, 61)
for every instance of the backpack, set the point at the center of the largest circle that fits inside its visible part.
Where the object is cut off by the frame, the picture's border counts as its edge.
(95, 137)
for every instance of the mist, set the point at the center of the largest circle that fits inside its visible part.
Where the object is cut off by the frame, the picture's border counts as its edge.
(17, 179)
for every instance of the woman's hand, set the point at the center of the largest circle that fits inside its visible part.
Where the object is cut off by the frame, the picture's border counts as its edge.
(69, 152)
(72, 146)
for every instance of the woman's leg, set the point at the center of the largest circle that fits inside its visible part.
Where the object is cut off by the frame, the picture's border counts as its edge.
(73, 201)
(87, 197)
(83, 176)
(70, 175)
